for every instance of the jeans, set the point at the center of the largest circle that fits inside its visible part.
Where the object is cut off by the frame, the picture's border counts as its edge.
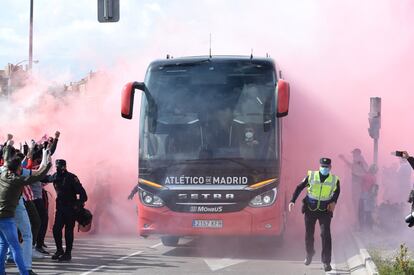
(23, 224)
(8, 237)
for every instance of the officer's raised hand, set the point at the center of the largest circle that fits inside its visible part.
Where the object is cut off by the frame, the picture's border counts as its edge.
(291, 204)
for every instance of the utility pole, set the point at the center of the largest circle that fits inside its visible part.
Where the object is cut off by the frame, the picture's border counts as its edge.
(31, 37)
(374, 118)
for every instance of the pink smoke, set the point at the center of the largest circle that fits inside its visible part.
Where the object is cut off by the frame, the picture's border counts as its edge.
(336, 55)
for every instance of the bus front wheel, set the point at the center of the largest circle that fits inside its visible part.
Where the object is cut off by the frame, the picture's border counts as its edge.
(170, 240)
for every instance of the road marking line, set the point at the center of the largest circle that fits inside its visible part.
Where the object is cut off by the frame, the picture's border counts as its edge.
(93, 270)
(217, 264)
(130, 255)
(155, 245)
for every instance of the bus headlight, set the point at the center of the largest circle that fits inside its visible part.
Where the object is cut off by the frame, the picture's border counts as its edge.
(265, 199)
(150, 199)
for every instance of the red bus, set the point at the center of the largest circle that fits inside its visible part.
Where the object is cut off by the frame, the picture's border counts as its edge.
(210, 147)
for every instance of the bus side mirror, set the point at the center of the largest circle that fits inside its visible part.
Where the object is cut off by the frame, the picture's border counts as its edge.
(282, 95)
(127, 103)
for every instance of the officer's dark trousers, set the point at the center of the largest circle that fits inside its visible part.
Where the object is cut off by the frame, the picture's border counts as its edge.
(65, 217)
(324, 219)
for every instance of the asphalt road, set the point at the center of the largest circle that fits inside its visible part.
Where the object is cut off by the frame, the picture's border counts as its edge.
(134, 255)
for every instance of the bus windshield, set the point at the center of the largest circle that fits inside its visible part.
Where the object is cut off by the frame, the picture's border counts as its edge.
(210, 109)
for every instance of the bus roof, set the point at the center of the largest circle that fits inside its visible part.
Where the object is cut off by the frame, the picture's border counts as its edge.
(219, 58)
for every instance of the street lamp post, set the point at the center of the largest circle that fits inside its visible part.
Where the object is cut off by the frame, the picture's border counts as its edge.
(9, 81)
(31, 36)
(374, 118)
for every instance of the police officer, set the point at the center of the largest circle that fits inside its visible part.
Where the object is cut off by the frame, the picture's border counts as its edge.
(319, 204)
(67, 187)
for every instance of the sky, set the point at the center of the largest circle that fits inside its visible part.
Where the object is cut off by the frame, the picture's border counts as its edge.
(335, 54)
(68, 40)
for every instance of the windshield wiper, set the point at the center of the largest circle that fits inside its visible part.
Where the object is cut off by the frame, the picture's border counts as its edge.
(189, 63)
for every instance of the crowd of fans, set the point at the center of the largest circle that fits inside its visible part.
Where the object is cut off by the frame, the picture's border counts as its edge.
(373, 211)
(24, 202)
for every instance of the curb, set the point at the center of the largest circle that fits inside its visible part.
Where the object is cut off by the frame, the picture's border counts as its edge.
(362, 263)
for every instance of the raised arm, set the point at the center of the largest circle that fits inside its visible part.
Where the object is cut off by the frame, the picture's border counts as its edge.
(45, 158)
(46, 162)
(347, 162)
(8, 148)
(30, 151)
(38, 176)
(53, 146)
(47, 179)
(409, 158)
(411, 161)
(133, 192)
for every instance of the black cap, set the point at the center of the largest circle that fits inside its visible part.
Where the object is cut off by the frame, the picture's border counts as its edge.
(60, 162)
(325, 161)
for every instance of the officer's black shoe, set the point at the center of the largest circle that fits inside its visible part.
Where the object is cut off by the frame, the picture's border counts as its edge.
(65, 257)
(31, 272)
(57, 255)
(327, 267)
(308, 259)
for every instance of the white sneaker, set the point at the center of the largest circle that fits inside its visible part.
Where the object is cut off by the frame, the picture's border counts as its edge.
(37, 255)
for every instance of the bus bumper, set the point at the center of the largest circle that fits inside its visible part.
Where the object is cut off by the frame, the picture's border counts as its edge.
(266, 221)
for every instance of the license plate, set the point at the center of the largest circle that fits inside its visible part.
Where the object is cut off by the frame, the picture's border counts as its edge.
(208, 223)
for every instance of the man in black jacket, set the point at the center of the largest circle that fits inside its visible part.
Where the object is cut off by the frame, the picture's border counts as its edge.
(67, 187)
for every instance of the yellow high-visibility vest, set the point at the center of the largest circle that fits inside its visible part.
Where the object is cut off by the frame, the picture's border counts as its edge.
(321, 191)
